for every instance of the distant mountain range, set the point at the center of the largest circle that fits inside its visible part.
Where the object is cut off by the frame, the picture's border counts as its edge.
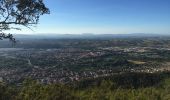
(87, 36)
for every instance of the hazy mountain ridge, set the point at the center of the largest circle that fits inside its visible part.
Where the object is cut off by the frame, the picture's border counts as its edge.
(86, 36)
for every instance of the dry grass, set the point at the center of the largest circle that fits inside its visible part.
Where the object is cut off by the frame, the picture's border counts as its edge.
(137, 62)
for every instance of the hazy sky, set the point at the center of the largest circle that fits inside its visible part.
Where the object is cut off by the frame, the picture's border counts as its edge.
(105, 16)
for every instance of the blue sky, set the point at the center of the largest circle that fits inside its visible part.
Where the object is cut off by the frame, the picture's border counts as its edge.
(105, 17)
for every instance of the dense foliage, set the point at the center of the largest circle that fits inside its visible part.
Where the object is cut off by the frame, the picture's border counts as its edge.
(105, 89)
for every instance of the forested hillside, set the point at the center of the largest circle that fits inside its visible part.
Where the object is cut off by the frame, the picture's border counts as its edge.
(134, 86)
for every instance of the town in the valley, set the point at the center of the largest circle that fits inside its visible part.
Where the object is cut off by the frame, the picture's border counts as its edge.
(64, 61)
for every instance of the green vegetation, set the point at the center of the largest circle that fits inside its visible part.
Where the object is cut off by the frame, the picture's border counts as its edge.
(106, 88)
(13, 63)
(120, 69)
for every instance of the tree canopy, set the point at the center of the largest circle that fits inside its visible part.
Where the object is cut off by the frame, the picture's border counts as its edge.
(15, 13)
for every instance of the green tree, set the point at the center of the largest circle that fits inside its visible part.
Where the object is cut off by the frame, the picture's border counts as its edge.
(15, 13)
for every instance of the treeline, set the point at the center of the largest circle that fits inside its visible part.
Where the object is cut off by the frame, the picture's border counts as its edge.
(127, 80)
(122, 87)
